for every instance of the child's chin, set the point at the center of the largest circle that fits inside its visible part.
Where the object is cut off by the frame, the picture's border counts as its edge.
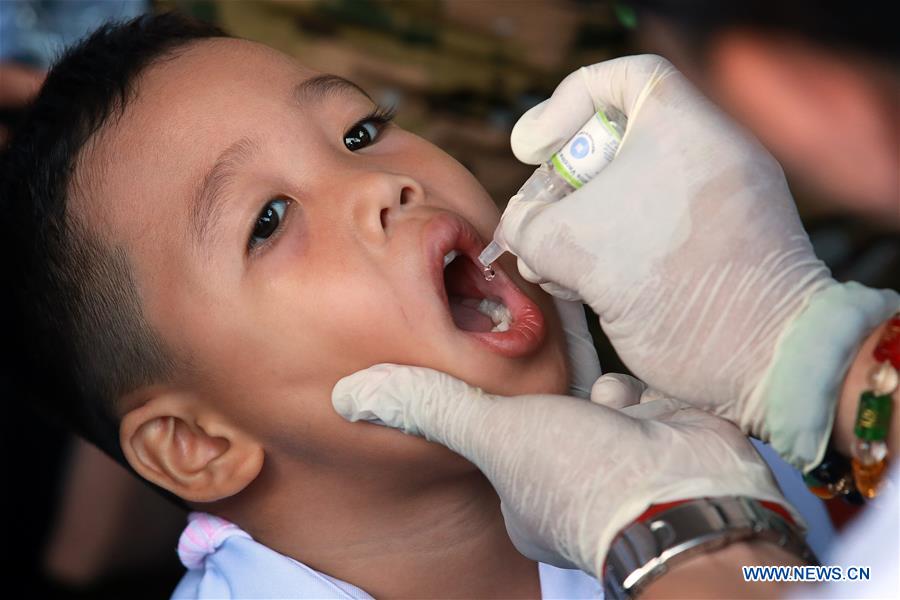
(545, 372)
(547, 380)
(433, 458)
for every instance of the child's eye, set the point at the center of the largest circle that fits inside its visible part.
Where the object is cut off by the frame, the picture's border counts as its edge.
(362, 134)
(367, 131)
(268, 221)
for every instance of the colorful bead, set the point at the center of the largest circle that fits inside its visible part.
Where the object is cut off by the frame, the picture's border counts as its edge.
(888, 348)
(821, 492)
(873, 416)
(831, 477)
(831, 470)
(868, 453)
(884, 379)
(868, 477)
(827, 491)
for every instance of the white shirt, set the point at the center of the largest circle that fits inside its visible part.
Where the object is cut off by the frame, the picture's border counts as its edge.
(223, 561)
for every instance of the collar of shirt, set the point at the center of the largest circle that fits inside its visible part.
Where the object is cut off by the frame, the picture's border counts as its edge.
(223, 561)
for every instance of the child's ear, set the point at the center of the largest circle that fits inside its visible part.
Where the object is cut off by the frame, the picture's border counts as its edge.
(190, 451)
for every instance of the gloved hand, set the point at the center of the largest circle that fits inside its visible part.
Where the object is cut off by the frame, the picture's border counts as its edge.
(584, 366)
(570, 474)
(689, 247)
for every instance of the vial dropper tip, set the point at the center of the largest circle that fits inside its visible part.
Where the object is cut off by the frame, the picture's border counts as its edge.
(490, 254)
(487, 257)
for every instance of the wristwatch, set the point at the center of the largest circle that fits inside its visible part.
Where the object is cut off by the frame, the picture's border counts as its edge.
(647, 548)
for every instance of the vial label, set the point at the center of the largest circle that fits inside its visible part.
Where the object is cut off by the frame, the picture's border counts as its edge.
(589, 150)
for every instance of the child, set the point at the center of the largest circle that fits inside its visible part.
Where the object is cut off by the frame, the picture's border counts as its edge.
(207, 236)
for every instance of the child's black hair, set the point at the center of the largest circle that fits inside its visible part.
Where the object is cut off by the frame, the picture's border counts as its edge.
(74, 330)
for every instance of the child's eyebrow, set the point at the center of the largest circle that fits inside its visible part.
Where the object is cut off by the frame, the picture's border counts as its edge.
(316, 88)
(205, 209)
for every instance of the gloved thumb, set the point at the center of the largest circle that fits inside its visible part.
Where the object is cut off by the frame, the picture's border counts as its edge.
(415, 400)
(617, 390)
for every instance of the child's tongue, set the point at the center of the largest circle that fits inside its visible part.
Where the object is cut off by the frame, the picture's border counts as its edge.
(467, 316)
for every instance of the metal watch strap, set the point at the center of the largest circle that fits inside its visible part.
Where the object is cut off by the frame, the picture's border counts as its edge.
(645, 550)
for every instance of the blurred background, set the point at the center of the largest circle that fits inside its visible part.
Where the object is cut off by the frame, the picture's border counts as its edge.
(461, 73)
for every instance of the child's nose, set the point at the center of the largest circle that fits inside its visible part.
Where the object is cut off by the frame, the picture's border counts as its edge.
(382, 197)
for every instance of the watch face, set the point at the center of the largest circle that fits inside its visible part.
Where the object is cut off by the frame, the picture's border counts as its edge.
(645, 549)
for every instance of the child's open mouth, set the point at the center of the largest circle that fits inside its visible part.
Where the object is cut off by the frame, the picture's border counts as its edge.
(497, 312)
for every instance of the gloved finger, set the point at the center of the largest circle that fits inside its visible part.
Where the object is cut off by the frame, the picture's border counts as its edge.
(523, 233)
(416, 400)
(544, 128)
(554, 289)
(652, 395)
(584, 366)
(662, 408)
(558, 291)
(617, 390)
(624, 83)
(621, 83)
(526, 272)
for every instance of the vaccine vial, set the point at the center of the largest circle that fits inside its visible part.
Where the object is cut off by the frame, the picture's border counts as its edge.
(587, 153)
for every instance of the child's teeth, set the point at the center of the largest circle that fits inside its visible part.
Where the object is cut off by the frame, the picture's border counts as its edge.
(500, 327)
(448, 258)
(499, 314)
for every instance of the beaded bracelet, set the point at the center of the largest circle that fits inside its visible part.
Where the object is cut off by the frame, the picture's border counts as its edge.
(861, 476)
(874, 414)
(833, 477)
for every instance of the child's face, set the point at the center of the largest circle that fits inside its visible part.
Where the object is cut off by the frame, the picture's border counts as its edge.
(349, 278)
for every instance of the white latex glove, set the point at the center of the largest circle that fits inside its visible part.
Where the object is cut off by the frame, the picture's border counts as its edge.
(584, 366)
(570, 474)
(689, 247)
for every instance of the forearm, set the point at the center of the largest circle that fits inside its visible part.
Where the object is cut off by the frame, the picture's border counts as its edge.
(718, 574)
(855, 383)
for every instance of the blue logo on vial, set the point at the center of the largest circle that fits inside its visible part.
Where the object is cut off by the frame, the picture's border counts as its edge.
(580, 147)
